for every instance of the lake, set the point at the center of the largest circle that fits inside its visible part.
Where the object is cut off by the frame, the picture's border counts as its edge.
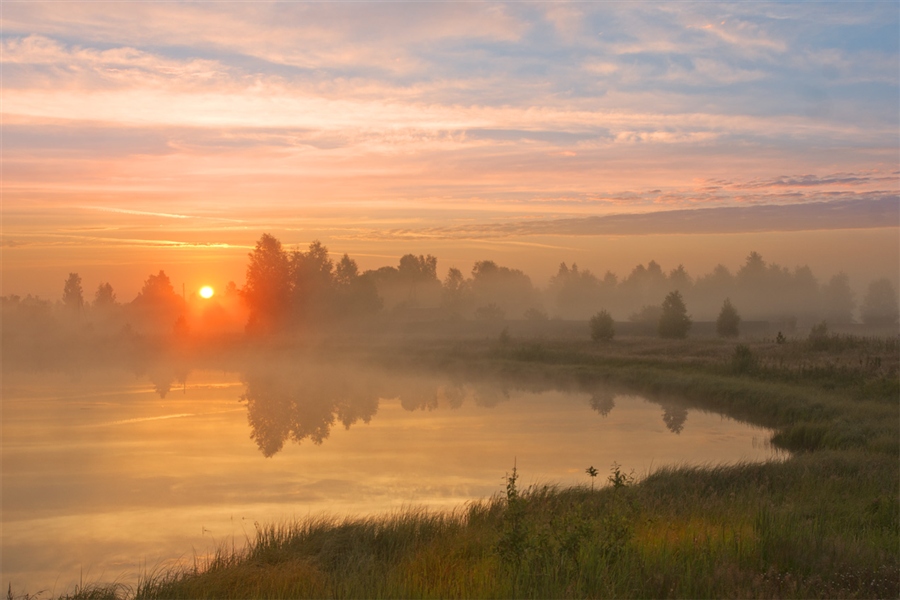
(107, 475)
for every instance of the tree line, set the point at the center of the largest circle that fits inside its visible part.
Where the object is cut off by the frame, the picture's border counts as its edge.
(290, 289)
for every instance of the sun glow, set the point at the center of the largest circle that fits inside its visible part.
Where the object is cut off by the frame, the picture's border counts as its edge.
(206, 292)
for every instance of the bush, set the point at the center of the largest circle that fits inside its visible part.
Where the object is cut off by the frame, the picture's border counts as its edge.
(729, 321)
(743, 360)
(674, 321)
(602, 327)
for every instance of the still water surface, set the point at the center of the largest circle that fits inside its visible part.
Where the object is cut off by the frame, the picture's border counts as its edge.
(109, 476)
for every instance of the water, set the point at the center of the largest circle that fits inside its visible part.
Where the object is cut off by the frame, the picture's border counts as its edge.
(112, 474)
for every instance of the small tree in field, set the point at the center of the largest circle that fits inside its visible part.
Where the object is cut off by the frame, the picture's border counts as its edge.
(602, 327)
(674, 321)
(729, 321)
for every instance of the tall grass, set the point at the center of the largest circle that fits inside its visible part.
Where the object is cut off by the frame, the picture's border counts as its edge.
(771, 530)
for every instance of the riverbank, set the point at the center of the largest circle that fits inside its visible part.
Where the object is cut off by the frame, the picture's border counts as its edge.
(822, 524)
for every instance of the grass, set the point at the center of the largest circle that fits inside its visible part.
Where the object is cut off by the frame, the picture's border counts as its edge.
(823, 524)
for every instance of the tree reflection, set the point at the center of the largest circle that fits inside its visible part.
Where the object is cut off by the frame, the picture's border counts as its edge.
(301, 403)
(603, 402)
(674, 416)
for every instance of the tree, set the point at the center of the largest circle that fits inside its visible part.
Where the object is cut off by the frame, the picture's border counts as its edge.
(674, 321)
(104, 297)
(837, 299)
(729, 321)
(73, 297)
(311, 281)
(355, 294)
(455, 291)
(602, 327)
(157, 304)
(880, 307)
(267, 290)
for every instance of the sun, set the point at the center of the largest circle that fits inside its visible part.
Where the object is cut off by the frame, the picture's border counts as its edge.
(207, 292)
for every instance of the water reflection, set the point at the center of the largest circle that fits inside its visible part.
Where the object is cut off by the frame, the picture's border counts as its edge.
(302, 402)
(116, 469)
(674, 416)
(603, 402)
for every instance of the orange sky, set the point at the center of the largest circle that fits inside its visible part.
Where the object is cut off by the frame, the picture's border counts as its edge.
(139, 137)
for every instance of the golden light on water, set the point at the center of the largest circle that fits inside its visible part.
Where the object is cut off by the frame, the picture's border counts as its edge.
(207, 292)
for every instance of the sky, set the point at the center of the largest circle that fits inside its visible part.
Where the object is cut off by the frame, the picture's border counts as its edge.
(139, 136)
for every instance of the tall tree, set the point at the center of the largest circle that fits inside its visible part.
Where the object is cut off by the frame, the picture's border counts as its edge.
(837, 299)
(880, 307)
(267, 290)
(312, 281)
(104, 297)
(73, 296)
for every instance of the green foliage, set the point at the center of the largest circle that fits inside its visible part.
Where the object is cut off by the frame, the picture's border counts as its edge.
(618, 479)
(602, 327)
(728, 323)
(674, 321)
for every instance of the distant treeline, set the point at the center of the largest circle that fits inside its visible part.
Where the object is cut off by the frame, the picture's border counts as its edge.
(295, 289)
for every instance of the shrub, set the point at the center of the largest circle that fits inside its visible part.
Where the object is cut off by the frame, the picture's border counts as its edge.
(743, 360)
(602, 327)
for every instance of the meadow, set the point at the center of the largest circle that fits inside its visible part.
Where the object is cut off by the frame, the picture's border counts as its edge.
(821, 524)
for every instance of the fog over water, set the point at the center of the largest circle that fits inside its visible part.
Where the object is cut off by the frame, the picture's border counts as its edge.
(140, 432)
(112, 473)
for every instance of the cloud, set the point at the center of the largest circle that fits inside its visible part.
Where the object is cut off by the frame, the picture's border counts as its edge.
(867, 212)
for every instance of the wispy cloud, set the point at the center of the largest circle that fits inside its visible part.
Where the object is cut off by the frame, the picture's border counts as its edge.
(504, 118)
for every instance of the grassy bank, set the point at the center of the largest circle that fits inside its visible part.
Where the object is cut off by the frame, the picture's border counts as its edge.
(823, 524)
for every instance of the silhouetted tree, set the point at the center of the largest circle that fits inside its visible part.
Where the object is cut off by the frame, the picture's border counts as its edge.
(574, 292)
(157, 304)
(267, 290)
(508, 289)
(356, 295)
(679, 279)
(602, 327)
(729, 321)
(837, 299)
(312, 278)
(674, 321)
(880, 305)
(643, 283)
(73, 297)
(418, 275)
(455, 292)
(104, 297)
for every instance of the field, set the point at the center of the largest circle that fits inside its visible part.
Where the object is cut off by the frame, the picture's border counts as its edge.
(822, 524)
